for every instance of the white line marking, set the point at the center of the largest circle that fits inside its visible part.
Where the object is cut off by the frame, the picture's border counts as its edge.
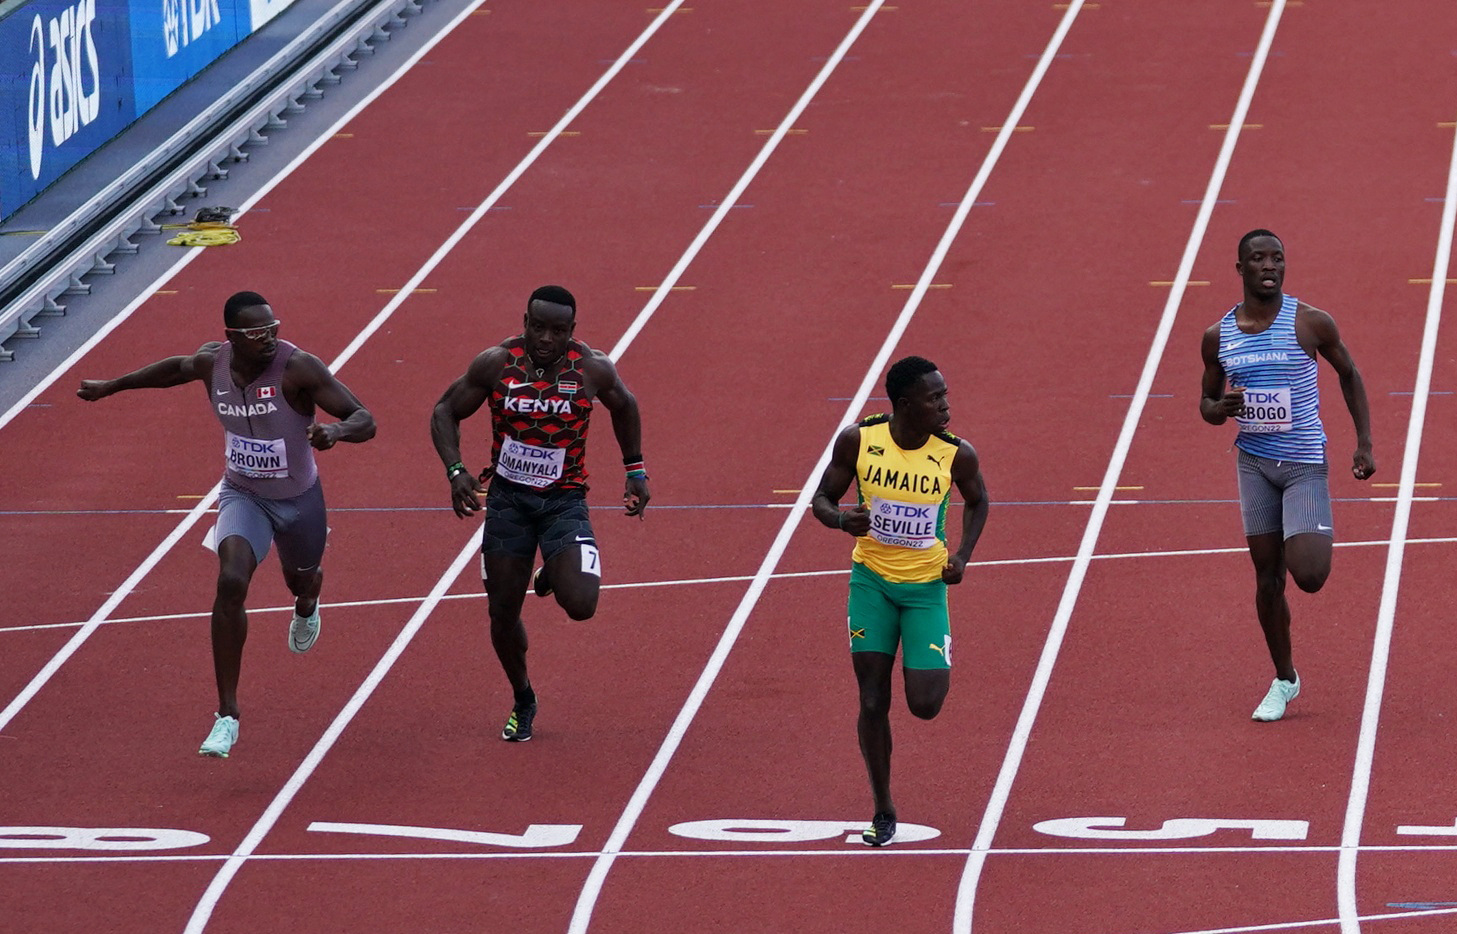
(193, 515)
(837, 850)
(991, 819)
(1325, 922)
(734, 579)
(586, 901)
(1386, 615)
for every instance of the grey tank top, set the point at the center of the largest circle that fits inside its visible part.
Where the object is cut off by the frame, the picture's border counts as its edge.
(264, 443)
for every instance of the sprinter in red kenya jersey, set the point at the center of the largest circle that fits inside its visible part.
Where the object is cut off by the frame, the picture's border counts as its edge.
(540, 387)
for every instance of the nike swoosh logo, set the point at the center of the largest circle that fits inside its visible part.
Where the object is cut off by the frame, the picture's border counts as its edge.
(1324, 528)
(512, 384)
(220, 392)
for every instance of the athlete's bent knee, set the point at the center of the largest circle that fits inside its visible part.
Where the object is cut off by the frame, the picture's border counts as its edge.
(925, 709)
(577, 608)
(1310, 581)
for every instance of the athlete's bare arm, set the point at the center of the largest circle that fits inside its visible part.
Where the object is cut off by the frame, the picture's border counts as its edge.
(626, 424)
(173, 371)
(308, 383)
(1215, 404)
(1313, 326)
(835, 483)
(462, 400)
(966, 474)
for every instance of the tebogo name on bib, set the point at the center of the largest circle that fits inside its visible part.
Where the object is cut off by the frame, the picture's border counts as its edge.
(1265, 410)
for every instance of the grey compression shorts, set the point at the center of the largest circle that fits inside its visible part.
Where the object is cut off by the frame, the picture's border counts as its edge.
(1283, 496)
(299, 524)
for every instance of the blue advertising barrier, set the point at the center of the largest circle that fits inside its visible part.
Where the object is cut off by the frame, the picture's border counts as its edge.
(75, 73)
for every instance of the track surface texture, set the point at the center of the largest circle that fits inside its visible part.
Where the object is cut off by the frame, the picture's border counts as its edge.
(758, 203)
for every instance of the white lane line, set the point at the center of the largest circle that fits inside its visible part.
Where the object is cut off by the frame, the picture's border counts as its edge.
(732, 579)
(592, 888)
(210, 898)
(1324, 922)
(991, 819)
(1386, 614)
(205, 504)
(838, 852)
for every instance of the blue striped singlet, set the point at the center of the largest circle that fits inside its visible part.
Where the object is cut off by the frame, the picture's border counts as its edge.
(1281, 417)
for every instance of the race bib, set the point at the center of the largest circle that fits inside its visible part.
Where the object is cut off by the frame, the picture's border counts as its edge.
(1265, 411)
(256, 458)
(903, 525)
(530, 465)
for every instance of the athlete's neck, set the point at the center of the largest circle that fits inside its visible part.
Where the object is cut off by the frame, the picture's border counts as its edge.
(906, 437)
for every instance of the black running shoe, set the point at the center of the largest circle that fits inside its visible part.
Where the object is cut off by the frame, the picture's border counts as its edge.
(881, 829)
(518, 726)
(540, 584)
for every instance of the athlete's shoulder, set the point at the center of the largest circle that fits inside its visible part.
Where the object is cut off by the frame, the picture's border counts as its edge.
(1304, 309)
(871, 420)
(946, 436)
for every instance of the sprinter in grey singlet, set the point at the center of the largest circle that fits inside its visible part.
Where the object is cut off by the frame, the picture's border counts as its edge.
(1260, 369)
(264, 392)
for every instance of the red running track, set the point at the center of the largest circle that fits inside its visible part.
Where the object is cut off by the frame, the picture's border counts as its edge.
(1043, 314)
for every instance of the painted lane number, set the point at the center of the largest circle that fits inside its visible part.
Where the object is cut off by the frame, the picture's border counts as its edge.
(791, 831)
(1178, 828)
(97, 838)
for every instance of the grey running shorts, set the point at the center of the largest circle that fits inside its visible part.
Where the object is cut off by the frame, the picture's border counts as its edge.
(1283, 496)
(299, 524)
(520, 519)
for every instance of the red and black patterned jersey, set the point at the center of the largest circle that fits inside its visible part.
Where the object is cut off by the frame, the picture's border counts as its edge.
(539, 426)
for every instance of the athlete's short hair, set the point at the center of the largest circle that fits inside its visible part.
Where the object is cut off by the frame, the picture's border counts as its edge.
(554, 294)
(1239, 253)
(903, 374)
(234, 306)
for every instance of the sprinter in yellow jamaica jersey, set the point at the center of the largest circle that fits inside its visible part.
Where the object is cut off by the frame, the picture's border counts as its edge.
(904, 465)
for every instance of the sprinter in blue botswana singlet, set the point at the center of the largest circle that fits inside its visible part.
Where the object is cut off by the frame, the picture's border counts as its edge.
(265, 392)
(1260, 370)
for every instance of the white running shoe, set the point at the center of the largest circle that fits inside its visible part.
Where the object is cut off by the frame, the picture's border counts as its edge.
(303, 632)
(1280, 694)
(220, 741)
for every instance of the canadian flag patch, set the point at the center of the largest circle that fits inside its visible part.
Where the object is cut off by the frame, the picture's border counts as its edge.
(266, 392)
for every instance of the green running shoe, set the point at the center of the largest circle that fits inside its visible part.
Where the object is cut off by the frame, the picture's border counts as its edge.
(220, 741)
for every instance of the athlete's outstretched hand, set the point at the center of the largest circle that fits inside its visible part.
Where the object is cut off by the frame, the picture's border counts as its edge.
(1363, 465)
(855, 520)
(321, 437)
(92, 389)
(954, 570)
(465, 493)
(635, 497)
